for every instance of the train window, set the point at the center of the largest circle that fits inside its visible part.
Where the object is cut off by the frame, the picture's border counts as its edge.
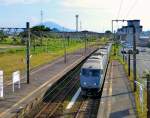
(95, 73)
(85, 72)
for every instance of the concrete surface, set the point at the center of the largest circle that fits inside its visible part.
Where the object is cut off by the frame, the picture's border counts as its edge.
(143, 62)
(117, 99)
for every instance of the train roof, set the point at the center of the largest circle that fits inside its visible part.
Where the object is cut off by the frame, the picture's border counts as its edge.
(101, 52)
(100, 57)
(105, 47)
(92, 64)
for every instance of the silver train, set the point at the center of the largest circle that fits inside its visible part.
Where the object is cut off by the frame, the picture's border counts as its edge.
(93, 71)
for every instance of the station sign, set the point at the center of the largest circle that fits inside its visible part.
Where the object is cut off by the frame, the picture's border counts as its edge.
(16, 79)
(1, 85)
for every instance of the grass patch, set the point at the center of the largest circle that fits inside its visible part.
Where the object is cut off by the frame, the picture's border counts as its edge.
(13, 57)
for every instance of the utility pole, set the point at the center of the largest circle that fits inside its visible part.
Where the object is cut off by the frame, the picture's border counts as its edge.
(41, 17)
(77, 20)
(112, 25)
(146, 76)
(123, 55)
(128, 64)
(134, 56)
(129, 56)
(28, 52)
(85, 42)
(114, 43)
(65, 51)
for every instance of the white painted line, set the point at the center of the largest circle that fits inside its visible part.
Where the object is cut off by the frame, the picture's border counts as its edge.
(73, 100)
(49, 85)
(106, 82)
(105, 89)
(109, 105)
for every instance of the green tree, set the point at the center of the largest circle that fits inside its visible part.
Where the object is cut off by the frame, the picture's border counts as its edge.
(108, 32)
(40, 28)
(2, 36)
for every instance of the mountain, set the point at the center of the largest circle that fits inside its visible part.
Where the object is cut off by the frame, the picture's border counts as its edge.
(56, 26)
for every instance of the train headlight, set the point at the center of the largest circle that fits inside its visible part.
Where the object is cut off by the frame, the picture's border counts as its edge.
(84, 83)
(95, 84)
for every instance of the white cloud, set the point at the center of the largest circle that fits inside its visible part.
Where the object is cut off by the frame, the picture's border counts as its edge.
(9, 2)
(103, 11)
(87, 3)
(33, 20)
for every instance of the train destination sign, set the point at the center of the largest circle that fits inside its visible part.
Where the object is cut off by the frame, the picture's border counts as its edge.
(16, 79)
(1, 85)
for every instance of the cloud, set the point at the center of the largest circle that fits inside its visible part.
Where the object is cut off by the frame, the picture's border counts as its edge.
(10, 2)
(88, 3)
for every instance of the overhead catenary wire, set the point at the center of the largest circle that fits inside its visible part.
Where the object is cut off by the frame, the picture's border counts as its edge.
(131, 8)
(120, 7)
(119, 11)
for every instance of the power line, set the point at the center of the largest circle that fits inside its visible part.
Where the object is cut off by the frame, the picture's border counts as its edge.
(131, 8)
(120, 7)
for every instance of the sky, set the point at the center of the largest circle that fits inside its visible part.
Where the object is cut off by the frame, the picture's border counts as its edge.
(94, 15)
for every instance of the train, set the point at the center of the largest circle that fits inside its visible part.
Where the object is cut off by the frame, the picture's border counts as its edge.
(93, 71)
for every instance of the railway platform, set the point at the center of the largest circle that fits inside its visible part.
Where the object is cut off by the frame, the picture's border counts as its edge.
(117, 99)
(40, 80)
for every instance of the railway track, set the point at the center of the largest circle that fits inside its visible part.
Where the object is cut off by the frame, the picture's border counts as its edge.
(50, 102)
(88, 108)
(51, 105)
(51, 108)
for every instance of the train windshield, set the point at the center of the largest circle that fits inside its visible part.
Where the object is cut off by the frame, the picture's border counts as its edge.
(88, 72)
